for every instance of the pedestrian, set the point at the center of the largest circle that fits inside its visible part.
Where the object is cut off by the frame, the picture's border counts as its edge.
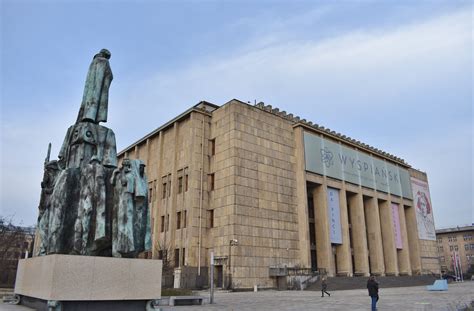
(373, 288)
(324, 286)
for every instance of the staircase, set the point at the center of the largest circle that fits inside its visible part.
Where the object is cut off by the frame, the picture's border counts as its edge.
(344, 283)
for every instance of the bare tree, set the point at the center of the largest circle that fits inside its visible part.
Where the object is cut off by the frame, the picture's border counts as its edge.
(164, 253)
(15, 241)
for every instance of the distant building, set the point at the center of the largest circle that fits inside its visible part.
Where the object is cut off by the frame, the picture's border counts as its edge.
(268, 192)
(16, 242)
(458, 240)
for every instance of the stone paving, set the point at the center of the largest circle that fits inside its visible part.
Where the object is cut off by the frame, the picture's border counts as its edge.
(400, 298)
(406, 298)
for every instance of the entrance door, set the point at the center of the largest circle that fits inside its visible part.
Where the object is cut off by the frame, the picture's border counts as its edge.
(219, 276)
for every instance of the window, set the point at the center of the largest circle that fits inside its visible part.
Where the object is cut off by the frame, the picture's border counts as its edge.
(466, 247)
(164, 191)
(211, 218)
(167, 222)
(150, 195)
(178, 220)
(176, 257)
(440, 240)
(211, 181)
(166, 182)
(183, 256)
(472, 246)
(441, 259)
(212, 145)
(180, 184)
(162, 223)
(440, 248)
(467, 237)
(186, 181)
(451, 248)
(456, 247)
(184, 219)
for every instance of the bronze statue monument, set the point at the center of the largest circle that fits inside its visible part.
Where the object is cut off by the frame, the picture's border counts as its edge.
(88, 206)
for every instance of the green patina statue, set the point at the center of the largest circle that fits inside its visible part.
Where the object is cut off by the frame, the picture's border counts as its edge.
(88, 206)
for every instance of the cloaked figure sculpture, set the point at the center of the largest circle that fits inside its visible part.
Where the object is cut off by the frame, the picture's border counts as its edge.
(85, 207)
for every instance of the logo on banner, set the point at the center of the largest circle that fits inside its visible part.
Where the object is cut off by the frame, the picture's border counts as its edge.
(327, 157)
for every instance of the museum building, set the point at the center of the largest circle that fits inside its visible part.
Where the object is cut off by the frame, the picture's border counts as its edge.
(266, 191)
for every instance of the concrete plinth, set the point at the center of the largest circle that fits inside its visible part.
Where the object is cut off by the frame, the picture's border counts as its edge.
(87, 278)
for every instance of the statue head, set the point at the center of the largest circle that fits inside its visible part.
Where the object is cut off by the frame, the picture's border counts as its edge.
(126, 165)
(52, 165)
(105, 53)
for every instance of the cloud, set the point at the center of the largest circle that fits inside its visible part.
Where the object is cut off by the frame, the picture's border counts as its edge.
(358, 82)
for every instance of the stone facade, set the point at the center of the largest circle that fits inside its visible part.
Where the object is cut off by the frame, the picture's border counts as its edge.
(232, 180)
(460, 240)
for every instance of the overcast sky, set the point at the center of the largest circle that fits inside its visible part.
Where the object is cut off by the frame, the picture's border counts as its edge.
(396, 75)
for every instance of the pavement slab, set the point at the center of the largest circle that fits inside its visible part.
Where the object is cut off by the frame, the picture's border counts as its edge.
(415, 298)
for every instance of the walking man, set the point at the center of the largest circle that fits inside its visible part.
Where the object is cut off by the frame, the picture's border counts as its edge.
(324, 287)
(373, 288)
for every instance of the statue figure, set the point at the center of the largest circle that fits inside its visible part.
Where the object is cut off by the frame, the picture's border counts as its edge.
(88, 206)
(91, 201)
(95, 100)
(124, 181)
(131, 233)
(141, 222)
(84, 140)
(47, 186)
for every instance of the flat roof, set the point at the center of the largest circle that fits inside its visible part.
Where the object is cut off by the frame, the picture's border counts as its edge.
(455, 229)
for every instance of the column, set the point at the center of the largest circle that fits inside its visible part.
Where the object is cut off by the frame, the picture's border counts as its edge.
(412, 236)
(359, 237)
(323, 243)
(343, 252)
(404, 267)
(388, 238)
(302, 198)
(374, 234)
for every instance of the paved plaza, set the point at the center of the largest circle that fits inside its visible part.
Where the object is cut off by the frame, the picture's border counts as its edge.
(406, 298)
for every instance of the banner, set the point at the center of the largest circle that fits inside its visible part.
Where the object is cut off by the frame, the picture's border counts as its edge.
(334, 216)
(328, 158)
(396, 226)
(424, 210)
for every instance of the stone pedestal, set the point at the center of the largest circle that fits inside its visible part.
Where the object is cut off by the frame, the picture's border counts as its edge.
(68, 278)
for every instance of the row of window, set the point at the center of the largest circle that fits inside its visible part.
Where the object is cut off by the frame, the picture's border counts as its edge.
(453, 238)
(468, 257)
(183, 184)
(181, 220)
(455, 247)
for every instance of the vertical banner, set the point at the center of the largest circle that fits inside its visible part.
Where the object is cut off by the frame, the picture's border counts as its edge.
(396, 226)
(424, 210)
(334, 216)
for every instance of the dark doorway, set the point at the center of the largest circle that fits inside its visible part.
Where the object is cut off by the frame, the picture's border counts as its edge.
(219, 276)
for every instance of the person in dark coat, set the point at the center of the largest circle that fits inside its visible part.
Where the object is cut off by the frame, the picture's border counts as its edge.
(324, 286)
(373, 288)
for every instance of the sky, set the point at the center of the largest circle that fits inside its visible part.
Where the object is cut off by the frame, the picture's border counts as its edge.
(396, 75)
